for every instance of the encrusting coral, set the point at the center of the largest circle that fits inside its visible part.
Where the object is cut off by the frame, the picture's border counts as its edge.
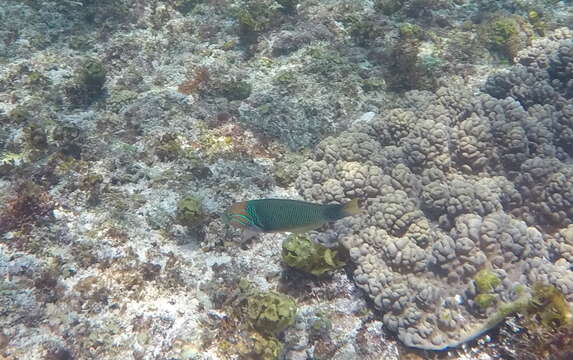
(270, 313)
(460, 193)
(300, 252)
(189, 211)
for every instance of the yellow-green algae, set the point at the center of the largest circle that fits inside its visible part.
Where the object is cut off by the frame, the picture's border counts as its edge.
(14, 159)
(267, 315)
(545, 307)
(484, 301)
(253, 346)
(300, 252)
(549, 307)
(189, 211)
(91, 75)
(506, 35)
(270, 312)
(267, 348)
(486, 281)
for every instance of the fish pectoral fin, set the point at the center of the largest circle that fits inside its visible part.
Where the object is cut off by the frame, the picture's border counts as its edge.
(248, 234)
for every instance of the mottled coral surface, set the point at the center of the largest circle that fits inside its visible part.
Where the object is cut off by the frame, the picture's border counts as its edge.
(456, 184)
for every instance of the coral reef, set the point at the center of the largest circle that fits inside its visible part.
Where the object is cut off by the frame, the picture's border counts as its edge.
(461, 204)
(128, 127)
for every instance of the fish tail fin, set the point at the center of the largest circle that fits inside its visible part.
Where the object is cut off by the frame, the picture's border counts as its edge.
(350, 208)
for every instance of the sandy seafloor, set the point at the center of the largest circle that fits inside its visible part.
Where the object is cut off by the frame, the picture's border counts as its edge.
(114, 111)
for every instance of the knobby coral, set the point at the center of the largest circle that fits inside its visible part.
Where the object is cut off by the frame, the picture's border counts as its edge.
(463, 194)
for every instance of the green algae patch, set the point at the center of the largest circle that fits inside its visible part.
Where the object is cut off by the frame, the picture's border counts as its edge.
(270, 312)
(507, 35)
(411, 31)
(254, 17)
(320, 326)
(548, 307)
(237, 90)
(168, 148)
(545, 308)
(88, 83)
(544, 314)
(501, 31)
(547, 325)
(91, 76)
(189, 211)
(535, 18)
(486, 281)
(267, 348)
(255, 320)
(302, 253)
(252, 346)
(36, 137)
(483, 301)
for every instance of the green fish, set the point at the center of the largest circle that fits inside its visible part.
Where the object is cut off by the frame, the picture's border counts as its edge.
(283, 215)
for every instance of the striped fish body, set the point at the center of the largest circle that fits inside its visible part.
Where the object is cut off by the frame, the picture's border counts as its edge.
(281, 215)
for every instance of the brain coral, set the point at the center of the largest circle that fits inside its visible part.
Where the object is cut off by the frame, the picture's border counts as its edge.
(468, 198)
